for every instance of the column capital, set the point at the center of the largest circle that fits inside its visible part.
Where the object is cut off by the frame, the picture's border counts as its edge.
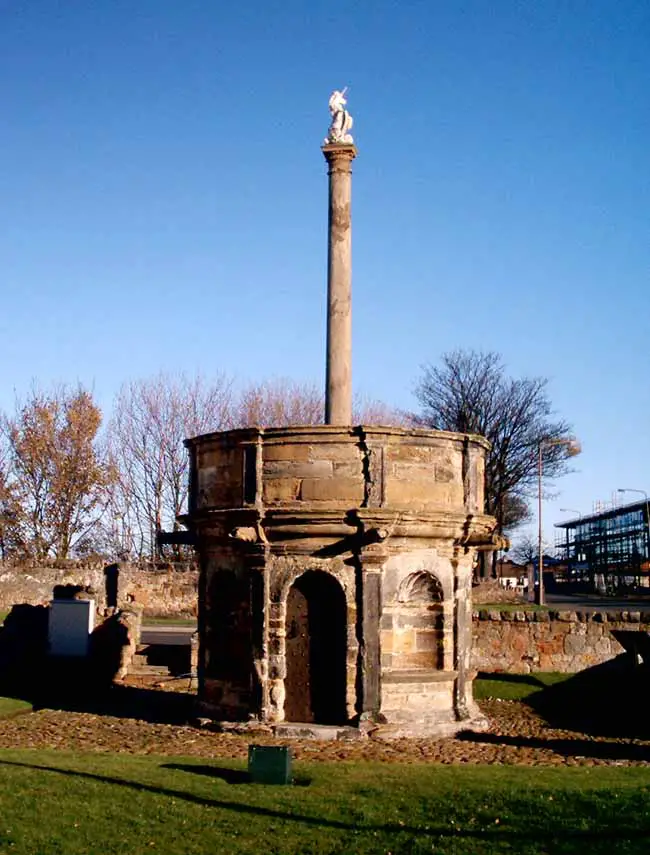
(339, 155)
(373, 556)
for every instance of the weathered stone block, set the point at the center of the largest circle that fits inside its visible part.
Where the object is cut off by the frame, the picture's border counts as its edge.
(445, 474)
(422, 493)
(575, 645)
(415, 660)
(281, 451)
(281, 490)
(298, 469)
(386, 640)
(348, 470)
(402, 452)
(349, 452)
(427, 640)
(332, 490)
(403, 641)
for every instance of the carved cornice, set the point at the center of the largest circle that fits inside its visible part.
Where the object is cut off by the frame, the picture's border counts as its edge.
(339, 157)
(333, 151)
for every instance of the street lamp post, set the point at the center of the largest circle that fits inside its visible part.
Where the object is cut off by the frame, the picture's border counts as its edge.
(647, 515)
(573, 448)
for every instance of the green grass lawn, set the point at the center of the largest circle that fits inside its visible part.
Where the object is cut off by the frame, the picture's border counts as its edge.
(168, 621)
(515, 687)
(10, 707)
(509, 607)
(53, 802)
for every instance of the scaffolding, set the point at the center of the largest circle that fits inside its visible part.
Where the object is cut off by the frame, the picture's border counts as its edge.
(608, 550)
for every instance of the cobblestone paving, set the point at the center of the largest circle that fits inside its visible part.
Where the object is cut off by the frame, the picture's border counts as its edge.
(517, 735)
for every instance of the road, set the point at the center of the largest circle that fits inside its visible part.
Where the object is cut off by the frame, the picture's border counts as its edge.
(181, 635)
(175, 636)
(593, 602)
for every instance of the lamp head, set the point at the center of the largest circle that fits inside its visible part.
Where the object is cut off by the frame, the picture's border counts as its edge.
(573, 447)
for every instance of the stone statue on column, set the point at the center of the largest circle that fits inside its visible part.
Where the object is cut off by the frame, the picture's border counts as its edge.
(339, 130)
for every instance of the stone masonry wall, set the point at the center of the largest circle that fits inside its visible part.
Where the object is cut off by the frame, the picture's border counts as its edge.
(159, 589)
(507, 641)
(523, 641)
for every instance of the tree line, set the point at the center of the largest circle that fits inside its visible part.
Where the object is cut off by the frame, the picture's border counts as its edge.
(73, 483)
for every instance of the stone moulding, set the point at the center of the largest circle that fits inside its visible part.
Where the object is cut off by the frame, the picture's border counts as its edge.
(308, 538)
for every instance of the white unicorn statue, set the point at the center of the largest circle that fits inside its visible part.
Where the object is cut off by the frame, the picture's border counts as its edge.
(339, 130)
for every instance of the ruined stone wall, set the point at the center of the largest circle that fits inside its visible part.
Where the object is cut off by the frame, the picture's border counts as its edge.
(159, 589)
(523, 641)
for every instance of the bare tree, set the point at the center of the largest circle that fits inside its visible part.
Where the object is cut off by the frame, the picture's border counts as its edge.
(151, 418)
(56, 474)
(470, 392)
(273, 403)
(279, 402)
(516, 511)
(367, 411)
(524, 550)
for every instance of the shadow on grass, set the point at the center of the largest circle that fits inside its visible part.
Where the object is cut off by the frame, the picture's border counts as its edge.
(534, 835)
(230, 776)
(72, 687)
(85, 684)
(570, 747)
(150, 705)
(606, 700)
(515, 679)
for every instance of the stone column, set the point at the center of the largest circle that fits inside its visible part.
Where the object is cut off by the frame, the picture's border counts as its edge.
(338, 390)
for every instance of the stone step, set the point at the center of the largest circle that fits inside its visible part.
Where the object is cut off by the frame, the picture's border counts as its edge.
(149, 670)
(297, 730)
(141, 666)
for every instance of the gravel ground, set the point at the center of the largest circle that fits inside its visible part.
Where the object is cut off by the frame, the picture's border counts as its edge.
(517, 735)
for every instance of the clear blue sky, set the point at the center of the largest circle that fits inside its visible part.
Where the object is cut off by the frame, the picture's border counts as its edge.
(163, 198)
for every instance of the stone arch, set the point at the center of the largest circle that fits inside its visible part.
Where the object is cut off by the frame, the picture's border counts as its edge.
(421, 588)
(316, 649)
(282, 582)
(418, 618)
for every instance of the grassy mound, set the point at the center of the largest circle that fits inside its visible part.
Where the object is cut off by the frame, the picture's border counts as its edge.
(11, 706)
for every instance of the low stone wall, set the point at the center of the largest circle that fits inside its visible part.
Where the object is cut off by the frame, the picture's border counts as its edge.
(509, 641)
(158, 589)
(519, 642)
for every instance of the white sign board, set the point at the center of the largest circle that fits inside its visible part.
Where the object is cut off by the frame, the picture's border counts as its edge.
(71, 622)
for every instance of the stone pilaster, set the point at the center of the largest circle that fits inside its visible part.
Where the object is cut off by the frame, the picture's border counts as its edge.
(372, 559)
(338, 393)
(462, 637)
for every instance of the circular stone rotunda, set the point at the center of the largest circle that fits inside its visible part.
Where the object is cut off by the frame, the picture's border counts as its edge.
(336, 560)
(336, 568)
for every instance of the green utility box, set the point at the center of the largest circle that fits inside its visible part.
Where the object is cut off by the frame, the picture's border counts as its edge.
(269, 764)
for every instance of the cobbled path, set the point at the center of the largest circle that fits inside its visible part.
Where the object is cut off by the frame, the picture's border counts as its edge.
(517, 735)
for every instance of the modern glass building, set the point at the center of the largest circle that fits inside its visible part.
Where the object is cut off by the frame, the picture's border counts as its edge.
(609, 549)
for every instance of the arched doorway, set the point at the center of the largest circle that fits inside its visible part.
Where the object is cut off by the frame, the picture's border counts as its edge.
(316, 630)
